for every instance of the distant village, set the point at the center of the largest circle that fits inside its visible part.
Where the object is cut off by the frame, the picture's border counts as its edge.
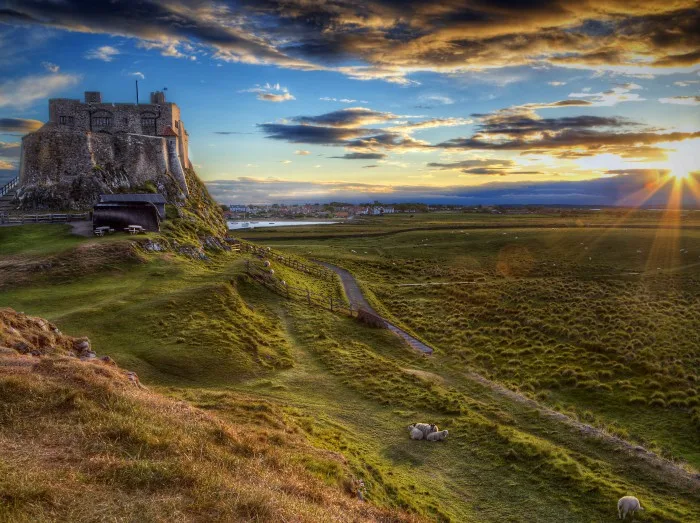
(338, 210)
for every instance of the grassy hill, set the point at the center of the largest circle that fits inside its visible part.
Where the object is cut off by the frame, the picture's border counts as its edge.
(84, 441)
(324, 394)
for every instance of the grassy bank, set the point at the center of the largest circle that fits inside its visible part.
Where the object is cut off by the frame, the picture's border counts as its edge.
(331, 397)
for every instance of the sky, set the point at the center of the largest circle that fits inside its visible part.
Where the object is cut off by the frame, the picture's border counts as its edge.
(469, 102)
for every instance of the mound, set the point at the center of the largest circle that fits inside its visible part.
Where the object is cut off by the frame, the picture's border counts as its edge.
(79, 441)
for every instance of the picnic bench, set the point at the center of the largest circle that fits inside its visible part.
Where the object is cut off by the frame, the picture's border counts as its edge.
(134, 229)
(101, 231)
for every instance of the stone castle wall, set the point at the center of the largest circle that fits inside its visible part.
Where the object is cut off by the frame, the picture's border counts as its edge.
(70, 169)
(87, 149)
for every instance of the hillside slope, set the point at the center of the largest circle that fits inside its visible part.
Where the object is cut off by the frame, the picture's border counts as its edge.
(81, 439)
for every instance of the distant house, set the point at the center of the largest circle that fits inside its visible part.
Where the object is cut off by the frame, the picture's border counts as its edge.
(120, 215)
(157, 200)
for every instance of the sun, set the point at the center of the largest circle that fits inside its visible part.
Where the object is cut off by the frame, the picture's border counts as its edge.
(684, 160)
(680, 175)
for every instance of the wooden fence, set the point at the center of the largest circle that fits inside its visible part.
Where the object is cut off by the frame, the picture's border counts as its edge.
(263, 275)
(266, 252)
(41, 218)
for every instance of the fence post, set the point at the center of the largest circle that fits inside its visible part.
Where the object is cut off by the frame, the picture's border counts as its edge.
(308, 297)
(331, 300)
(247, 266)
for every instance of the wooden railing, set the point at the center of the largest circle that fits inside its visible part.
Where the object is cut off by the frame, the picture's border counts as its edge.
(289, 261)
(9, 186)
(262, 275)
(17, 219)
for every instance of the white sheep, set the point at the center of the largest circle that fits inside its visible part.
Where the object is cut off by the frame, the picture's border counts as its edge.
(426, 428)
(415, 433)
(440, 435)
(628, 505)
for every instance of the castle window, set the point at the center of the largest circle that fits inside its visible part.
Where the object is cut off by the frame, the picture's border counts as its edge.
(102, 121)
(177, 124)
(66, 120)
(148, 125)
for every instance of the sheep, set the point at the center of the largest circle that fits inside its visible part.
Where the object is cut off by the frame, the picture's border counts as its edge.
(426, 428)
(628, 505)
(415, 433)
(437, 436)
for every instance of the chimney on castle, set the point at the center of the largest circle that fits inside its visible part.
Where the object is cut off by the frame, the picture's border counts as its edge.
(93, 97)
(157, 97)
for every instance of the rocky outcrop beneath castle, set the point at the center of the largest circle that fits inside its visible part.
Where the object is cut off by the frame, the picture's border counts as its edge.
(65, 169)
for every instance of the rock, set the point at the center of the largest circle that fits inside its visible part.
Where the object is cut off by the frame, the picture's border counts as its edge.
(108, 360)
(88, 355)
(82, 345)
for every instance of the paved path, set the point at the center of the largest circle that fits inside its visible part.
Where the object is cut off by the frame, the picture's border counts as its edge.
(358, 301)
(633, 451)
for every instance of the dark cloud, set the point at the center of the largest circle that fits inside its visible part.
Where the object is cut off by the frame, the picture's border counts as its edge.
(382, 39)
(311, 134)
(361, 156)
(567, 137)
(19, 125)
(628, 188)
(350, 117)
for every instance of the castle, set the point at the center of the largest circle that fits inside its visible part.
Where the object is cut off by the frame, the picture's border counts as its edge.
(90, 148)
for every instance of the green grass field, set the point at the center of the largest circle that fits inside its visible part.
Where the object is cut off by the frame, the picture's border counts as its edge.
(585, 336)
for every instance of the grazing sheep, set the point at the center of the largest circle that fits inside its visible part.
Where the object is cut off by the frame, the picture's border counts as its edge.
(426, 428)
(415, 433)
(628, 505)
(437, 436)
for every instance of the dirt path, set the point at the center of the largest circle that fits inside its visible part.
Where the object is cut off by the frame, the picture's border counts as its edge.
(358, 301)
(669, 468)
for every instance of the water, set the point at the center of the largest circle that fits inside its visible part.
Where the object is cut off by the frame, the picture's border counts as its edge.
(256, 224)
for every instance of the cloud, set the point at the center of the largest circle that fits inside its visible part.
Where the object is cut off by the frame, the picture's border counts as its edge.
(389, 40)
(272, 97)
(270, 93)
(618, 94)
(362, 156)
(686, 83)
(310, 134)
(521, 129)
(19, 125)
(229, 132)
(23, 92)
(106, 53)
(476, 166)
(138, 74)
(430, 124)
(52, 68)
(627, 188)
(347, 118)
(681, 100)
(7, 166)
(428, 101)
(342, 100)
(286, 161)
(10, 149)
(302, 152)
(556, 84)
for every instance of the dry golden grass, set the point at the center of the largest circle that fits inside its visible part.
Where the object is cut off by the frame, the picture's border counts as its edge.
(79, 441)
